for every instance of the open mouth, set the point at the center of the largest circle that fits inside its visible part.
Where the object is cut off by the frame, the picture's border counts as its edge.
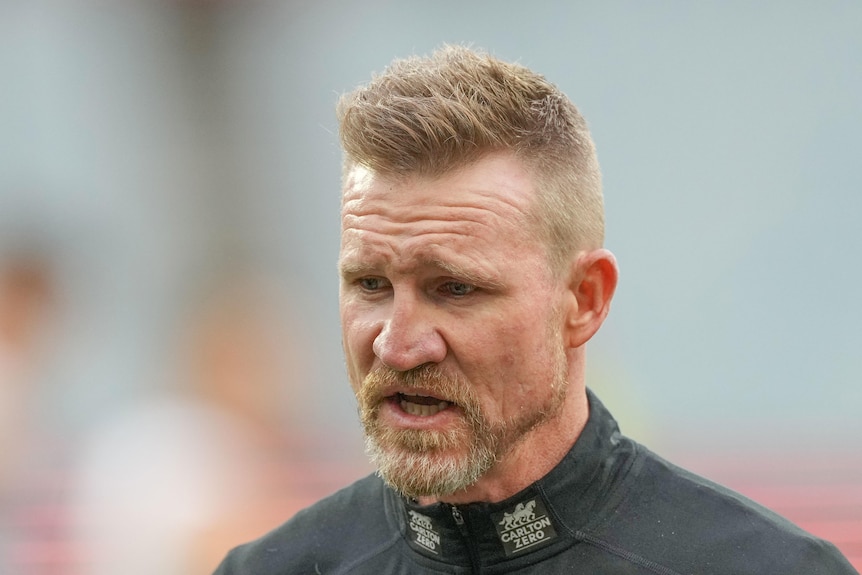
(421, 405)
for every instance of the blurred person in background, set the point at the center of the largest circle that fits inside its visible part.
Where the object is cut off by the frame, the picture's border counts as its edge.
(472, 277)
(170, 484)
(27, 307)
(25, 296)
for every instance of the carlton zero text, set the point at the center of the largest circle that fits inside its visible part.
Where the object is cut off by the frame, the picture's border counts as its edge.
(526, 535)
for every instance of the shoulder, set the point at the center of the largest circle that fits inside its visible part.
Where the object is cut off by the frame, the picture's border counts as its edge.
(336, 531)
(678, 519)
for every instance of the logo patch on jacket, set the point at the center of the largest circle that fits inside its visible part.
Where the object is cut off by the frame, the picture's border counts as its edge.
(525, 526)
(423, 532)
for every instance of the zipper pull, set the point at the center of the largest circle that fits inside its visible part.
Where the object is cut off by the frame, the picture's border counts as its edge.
(456, 514)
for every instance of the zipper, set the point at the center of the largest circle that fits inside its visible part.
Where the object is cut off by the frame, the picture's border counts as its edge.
(468, 540)
(459, 520)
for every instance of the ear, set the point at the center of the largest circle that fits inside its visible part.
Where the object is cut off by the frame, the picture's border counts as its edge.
(592, 281)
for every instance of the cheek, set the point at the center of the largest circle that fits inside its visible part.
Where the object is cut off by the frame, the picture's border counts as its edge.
(357, 339)
(517, 356)
(355, 372)
(495, 358)
(518, 342)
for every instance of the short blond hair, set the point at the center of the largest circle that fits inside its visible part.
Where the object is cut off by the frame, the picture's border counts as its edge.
(425, 116)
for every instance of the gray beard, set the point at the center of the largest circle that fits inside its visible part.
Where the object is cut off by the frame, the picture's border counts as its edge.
(431, 463)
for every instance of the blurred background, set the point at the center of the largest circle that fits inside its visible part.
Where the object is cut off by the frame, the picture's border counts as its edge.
(171, 381)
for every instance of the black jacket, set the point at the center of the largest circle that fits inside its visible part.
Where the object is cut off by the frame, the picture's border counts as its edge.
(610, 507)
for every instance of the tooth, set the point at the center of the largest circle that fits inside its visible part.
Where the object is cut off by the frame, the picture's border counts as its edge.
(421, 409)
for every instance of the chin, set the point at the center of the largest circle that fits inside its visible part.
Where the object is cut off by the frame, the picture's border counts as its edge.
(429, 474)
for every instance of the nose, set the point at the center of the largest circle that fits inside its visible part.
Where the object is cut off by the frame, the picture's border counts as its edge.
(409, 338)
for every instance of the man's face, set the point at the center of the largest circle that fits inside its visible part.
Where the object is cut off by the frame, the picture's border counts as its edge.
(450, 319)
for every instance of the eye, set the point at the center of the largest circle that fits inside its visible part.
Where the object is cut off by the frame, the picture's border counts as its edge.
(372, 283)
(458, 289)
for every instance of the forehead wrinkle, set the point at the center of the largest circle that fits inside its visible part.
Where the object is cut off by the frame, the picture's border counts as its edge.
(498, 187)
(402, 204)
(463, 222)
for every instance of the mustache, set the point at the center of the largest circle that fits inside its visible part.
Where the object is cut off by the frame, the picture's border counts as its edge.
(428, 377)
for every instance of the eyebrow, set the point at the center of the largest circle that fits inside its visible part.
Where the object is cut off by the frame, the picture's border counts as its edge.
(465, 274)
(351, 270)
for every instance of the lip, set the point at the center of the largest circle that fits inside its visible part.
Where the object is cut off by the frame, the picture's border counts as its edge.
(420, 391)
(391, 413)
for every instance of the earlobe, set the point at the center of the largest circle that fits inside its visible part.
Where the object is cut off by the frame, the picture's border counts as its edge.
(592, 283)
